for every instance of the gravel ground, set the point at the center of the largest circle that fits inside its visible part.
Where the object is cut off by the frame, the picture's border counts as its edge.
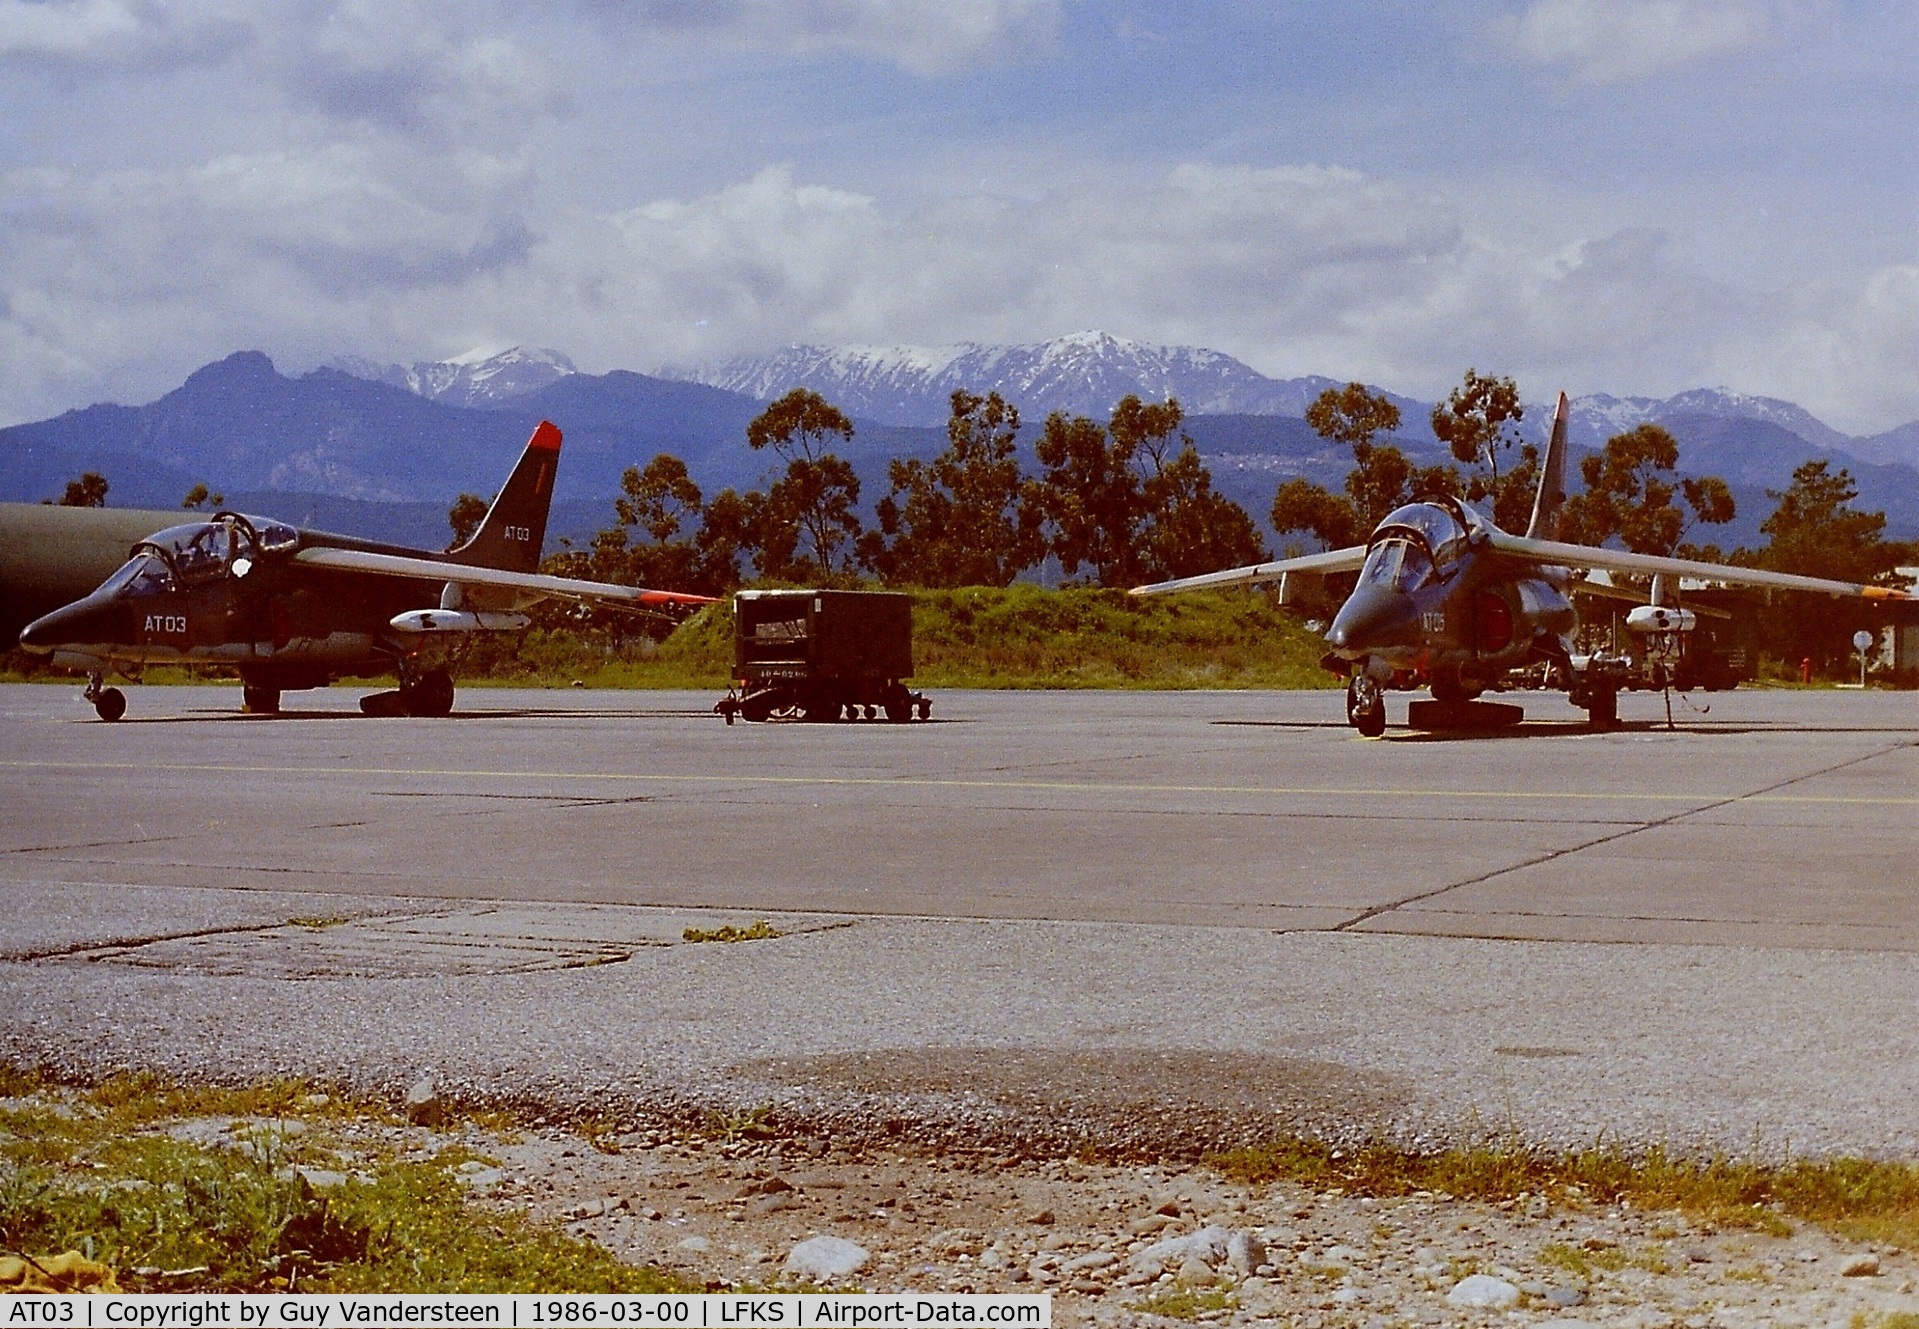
(1138, 1246)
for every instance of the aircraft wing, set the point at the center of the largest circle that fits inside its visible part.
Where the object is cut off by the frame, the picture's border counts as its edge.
(1333, 560)
(1645, 565)
(537, 583)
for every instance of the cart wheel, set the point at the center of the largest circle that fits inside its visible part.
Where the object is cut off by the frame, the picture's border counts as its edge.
(899, 703)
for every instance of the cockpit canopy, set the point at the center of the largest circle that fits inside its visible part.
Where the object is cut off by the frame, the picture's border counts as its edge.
(199, 551)
(1414, 544)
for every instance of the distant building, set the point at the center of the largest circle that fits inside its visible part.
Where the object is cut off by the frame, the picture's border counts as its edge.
(1899, 642)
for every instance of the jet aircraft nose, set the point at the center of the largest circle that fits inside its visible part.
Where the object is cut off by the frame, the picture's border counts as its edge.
(82, 623)
(1374, 618)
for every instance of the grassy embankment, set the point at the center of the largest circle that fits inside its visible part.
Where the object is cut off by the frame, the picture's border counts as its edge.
(108, 1171)
(1019, 637)
(1860, 1199)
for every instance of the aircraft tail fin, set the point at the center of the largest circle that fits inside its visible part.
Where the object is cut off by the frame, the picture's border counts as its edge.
(514, 529)
(1552, 480)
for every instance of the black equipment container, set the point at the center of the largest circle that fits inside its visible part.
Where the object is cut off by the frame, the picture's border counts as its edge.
(822, 655)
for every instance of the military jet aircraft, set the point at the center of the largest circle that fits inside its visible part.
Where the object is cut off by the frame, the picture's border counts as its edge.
(1447, 601)
(289, 609)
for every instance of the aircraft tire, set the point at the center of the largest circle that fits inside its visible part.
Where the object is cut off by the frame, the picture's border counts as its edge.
(432, 696)
(110, 705)
(1368, 715)
(260, 700)
(1602, 708)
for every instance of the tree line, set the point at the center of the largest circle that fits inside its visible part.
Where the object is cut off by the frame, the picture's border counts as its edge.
(1129, 500)
(1117, 502)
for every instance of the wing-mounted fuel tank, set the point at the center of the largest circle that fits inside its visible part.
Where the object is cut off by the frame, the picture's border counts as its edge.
(435, 622)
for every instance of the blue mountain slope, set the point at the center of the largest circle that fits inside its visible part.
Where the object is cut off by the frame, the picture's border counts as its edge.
(345, 449)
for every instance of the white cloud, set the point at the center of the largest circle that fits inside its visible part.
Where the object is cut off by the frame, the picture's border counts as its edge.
(924, 38)
(1607, 41)
(121, 284)
(95, 33)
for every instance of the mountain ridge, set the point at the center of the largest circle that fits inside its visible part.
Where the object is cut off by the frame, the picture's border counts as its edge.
(242, 427)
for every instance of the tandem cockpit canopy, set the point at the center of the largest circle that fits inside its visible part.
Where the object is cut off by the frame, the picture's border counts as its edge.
(198, 551)
(1412, 544)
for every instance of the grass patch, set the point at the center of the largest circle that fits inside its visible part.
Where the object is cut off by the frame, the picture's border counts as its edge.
(1186, 1302)
(109, 1173)
(1859, 1199)
(760, 931)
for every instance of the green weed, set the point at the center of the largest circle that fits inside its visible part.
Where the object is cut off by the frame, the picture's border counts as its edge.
(110, 1173)
(1861, 1199)
(1180, 1302)
(759, 931)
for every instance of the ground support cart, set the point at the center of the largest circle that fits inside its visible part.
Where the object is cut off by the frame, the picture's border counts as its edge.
(823, 655)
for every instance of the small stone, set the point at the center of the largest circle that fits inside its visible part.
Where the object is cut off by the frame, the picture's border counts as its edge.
(321, 1179)
(993, 1257)
(696, 1245)
(1087, 1263)
(1860, 1266)
(1807, 1257)
(762, 1205)
(1245, 1252)
(477, 1176)
(423, 1105)
(1042, 1217)
(824, 1258)
(1207, 1245)
(1484, 1291)
(1565, 1297)
(1195, 1270)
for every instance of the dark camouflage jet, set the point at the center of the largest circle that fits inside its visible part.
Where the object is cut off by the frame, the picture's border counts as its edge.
(288, 609)
(1447, 601)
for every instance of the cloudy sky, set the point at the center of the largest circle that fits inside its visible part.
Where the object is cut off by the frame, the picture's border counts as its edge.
(1630, 196)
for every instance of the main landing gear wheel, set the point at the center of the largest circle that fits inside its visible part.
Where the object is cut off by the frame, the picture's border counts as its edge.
(1365, 706)
(260, 700)
(431, 696)
(1602, 709)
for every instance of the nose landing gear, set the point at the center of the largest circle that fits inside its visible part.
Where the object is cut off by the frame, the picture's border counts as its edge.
(108, 703)
(1366, 705)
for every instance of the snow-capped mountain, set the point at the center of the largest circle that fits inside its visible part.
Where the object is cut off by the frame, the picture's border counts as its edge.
(1598, 417)
(484, 376)
(1084, 373)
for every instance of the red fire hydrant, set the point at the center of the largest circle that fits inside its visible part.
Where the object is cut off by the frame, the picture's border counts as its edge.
(1805, 670)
